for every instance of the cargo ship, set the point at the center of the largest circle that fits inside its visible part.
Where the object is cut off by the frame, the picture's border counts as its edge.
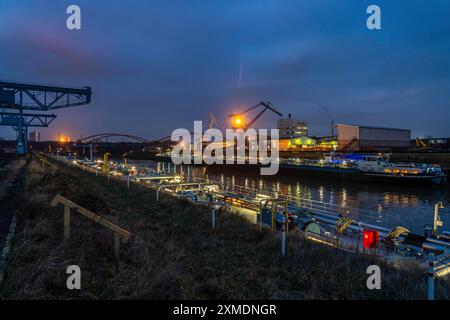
(366, 168)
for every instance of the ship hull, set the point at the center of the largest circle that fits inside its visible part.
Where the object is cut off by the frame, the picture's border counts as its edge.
(350, 174)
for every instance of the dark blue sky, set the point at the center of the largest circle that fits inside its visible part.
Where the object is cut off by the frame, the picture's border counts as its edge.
(158, 65)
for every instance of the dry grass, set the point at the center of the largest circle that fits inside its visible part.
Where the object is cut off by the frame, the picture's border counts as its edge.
(174, 253)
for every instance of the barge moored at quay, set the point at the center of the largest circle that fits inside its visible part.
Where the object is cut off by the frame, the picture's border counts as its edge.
(348, 167)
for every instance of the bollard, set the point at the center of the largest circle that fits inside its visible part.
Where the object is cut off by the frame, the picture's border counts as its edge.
(157, 195)
(108, 175)
(128, 182)
(431, 264)
(96, 171)
(213, 217)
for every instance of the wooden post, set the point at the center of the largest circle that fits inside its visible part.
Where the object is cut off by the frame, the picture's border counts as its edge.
(116, 245)
(66, 222)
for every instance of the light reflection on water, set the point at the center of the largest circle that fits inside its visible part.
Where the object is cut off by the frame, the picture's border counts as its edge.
(411, 207)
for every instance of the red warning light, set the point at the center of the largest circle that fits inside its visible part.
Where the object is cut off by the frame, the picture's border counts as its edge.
(370, 239)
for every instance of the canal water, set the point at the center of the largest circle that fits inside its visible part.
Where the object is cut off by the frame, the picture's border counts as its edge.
(409, 206)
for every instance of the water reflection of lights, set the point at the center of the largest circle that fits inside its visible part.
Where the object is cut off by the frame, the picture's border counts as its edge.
(396, 199)
(387, 198)
(344, 198)
(321, 193)
(404, 200)
(380, 208)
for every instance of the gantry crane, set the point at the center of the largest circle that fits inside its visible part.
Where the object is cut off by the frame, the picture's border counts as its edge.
(238, 120)
(23, 96)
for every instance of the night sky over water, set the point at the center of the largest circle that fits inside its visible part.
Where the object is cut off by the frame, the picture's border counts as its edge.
(159, 65)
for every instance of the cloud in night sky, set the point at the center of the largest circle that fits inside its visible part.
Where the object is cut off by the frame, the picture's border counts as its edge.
(158, 65)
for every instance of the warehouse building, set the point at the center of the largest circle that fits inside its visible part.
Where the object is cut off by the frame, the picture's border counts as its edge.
(355, 137)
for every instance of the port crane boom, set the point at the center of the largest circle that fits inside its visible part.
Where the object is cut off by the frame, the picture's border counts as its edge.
(238, 121)
(18, 97)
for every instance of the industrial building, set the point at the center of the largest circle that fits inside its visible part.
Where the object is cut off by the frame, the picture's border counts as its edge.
(294, 137)
(356, 137)
(292, 128)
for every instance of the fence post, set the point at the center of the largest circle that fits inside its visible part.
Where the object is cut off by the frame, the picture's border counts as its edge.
(66, 222)
(431, 264)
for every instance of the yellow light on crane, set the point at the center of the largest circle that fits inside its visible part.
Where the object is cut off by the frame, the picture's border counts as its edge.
(238, 121)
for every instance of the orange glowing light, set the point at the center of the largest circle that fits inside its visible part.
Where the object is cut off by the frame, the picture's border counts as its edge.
(238, 121)
(63, 139)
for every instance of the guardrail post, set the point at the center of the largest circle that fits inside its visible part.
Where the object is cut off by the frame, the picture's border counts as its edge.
(431, 264)
(66, 222)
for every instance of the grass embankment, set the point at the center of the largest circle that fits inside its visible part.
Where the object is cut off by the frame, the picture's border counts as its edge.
(174, 253)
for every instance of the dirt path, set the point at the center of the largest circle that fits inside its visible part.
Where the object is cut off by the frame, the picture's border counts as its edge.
(9, 185)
